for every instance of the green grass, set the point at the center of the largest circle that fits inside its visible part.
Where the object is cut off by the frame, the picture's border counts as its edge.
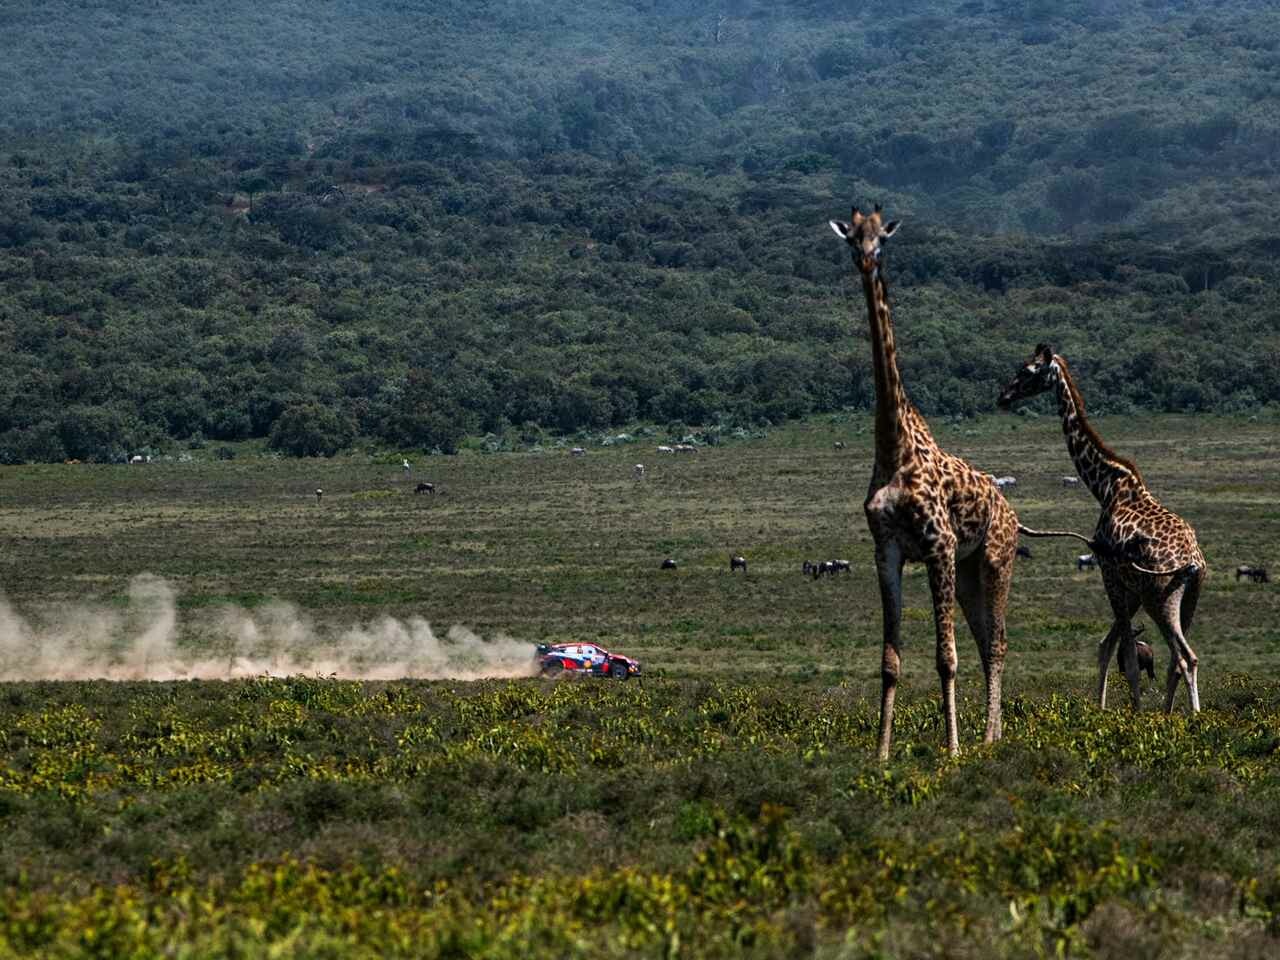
(728, 804)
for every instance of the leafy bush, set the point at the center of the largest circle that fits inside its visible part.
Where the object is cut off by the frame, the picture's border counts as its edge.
(310, 430)
(194, 797)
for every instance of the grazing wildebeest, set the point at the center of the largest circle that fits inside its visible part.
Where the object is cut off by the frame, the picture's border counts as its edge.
(665, 449)
(841, 565)
(1086, 560)
(425, 487)
(1071, 481)
(686, 448)
(825, 567)
(1256, 574)
(736, 562)
(808, 567)
(838, 445)
(1005, 483)
(1146, 656)
(638, 471)
(668, 564)
(577, 452)
(1024, 553)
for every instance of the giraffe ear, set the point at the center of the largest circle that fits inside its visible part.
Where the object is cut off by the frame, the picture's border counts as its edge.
(841, 228)
(890, 228)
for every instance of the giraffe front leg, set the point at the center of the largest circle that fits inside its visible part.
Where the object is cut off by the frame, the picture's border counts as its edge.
(889, 571)
(1129, 663)
(1123, 607)
(1120, 638)
(1106, 647)
(942, 584)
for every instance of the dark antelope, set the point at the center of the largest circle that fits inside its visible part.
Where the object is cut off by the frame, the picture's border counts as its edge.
(1256, 574)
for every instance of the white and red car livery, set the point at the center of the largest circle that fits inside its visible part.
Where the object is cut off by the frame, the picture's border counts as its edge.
(584, 658)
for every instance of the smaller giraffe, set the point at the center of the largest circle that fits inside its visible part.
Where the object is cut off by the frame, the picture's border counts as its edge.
(1148, 554)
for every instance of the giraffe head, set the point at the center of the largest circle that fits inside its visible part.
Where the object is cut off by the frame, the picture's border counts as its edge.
(864, 234)
(1034, 377)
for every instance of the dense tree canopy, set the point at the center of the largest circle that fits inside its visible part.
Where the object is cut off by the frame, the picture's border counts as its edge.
(413, 221)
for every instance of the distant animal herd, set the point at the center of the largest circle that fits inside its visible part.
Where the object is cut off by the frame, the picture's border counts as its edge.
(816, 569)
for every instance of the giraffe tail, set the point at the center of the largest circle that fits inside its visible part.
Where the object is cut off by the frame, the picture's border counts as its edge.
(1028, 532)
(1191, 568)
(1102, 549)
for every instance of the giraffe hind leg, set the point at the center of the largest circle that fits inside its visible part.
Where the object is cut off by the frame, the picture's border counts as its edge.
(982, 589)
(1167, 612)
(1190, 599)
(1186, 613)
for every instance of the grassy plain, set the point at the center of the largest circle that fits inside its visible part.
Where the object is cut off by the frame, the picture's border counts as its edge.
(727, 804)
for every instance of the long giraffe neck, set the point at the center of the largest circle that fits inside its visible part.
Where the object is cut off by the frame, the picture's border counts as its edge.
(1102, 471)
(892, 407)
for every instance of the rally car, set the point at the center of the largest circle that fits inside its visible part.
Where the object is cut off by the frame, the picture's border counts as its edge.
(586, 659)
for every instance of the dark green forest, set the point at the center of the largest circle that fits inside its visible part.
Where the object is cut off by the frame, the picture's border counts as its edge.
(405, 223)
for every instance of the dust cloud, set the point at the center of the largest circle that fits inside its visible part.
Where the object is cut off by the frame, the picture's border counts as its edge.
(145, 639)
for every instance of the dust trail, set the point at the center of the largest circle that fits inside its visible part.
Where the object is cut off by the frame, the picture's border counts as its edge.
(147, 640)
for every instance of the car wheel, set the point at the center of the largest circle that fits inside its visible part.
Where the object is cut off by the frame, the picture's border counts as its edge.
(618, 670)
(553, 669)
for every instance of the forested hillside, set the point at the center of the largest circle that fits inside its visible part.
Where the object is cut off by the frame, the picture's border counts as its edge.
(413, 221)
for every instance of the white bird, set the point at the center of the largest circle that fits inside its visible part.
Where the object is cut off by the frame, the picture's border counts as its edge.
(405, 464)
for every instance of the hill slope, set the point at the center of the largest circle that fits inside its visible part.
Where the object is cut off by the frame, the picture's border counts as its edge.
(412, 221)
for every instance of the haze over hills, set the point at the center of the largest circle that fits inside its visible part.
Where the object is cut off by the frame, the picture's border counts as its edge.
(413, 221)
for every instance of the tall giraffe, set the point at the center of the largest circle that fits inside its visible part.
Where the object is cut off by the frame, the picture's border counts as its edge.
(1148, 554)
(926, 505)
